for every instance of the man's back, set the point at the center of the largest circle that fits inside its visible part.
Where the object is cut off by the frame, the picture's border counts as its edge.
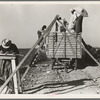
(12, 49)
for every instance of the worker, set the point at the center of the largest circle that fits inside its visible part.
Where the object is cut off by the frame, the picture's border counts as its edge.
(75, 24)
(72, 19)
(7, 47)
(40, 33)
(65, 23)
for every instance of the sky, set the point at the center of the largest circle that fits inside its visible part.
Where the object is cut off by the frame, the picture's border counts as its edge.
(20, 21)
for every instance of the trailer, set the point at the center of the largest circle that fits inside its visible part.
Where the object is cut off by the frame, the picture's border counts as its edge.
(62, 48)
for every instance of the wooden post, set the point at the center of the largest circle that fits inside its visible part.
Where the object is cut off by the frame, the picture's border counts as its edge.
(76, 51)
(56, 27)
(49, 27)
(82, 45)
(15, 76)
(19, 82)
(44, 33)
(25, 73)
(56, 35)
(64, 44)
(53, 45)
(13, 62)
(58, 45)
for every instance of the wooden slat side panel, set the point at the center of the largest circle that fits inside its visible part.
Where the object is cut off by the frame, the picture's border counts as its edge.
(60, 51)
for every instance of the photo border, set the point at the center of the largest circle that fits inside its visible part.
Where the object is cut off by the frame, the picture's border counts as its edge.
(30, 98)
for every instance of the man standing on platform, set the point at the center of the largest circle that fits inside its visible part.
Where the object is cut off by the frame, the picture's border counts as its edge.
(40, 33)
(75, 24)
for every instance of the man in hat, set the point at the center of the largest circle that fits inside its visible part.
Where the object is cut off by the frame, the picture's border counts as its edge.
(7, 47)
(75, 24)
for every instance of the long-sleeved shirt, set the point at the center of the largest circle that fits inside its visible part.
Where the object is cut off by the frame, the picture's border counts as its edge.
(72, 20)
(76, 22)
(12, 49)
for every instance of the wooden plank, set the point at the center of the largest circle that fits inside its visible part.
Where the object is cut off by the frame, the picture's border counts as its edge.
(7, 56)
(53, 47)
(71, 39)
(68, 47)
(68, 56)
(62, 44)
(63, 52)
(68, 50)
(25, 73)
(48, 28)
(15, 76)
(71, 54)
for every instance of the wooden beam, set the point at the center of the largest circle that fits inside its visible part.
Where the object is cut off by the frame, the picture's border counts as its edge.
(7, 56)
(25, 73)
(76, 51)
(58, 46)
(14, 77)
(45, 34)
(38, 49)
(81, 45)
(33, 56)
(65, 44)
(13, 73)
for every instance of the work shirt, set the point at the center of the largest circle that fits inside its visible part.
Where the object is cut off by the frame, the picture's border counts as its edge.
(12, 49)
(76, 22)
(62, 29)
(72, 21)
(39, 35)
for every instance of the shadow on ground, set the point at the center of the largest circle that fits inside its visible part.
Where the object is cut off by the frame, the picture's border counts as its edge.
(64, 86)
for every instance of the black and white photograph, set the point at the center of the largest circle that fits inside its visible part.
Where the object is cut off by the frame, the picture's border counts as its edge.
(50, 48)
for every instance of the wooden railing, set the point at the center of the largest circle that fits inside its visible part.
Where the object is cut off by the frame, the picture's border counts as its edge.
(13, 63)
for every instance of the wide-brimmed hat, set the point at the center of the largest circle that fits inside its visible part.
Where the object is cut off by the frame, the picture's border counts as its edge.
(6, 43)
(81, 11)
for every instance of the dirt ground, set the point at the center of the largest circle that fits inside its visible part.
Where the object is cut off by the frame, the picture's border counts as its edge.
(41, 79)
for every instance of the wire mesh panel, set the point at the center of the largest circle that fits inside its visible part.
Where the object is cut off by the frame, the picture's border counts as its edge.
(62, 45)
